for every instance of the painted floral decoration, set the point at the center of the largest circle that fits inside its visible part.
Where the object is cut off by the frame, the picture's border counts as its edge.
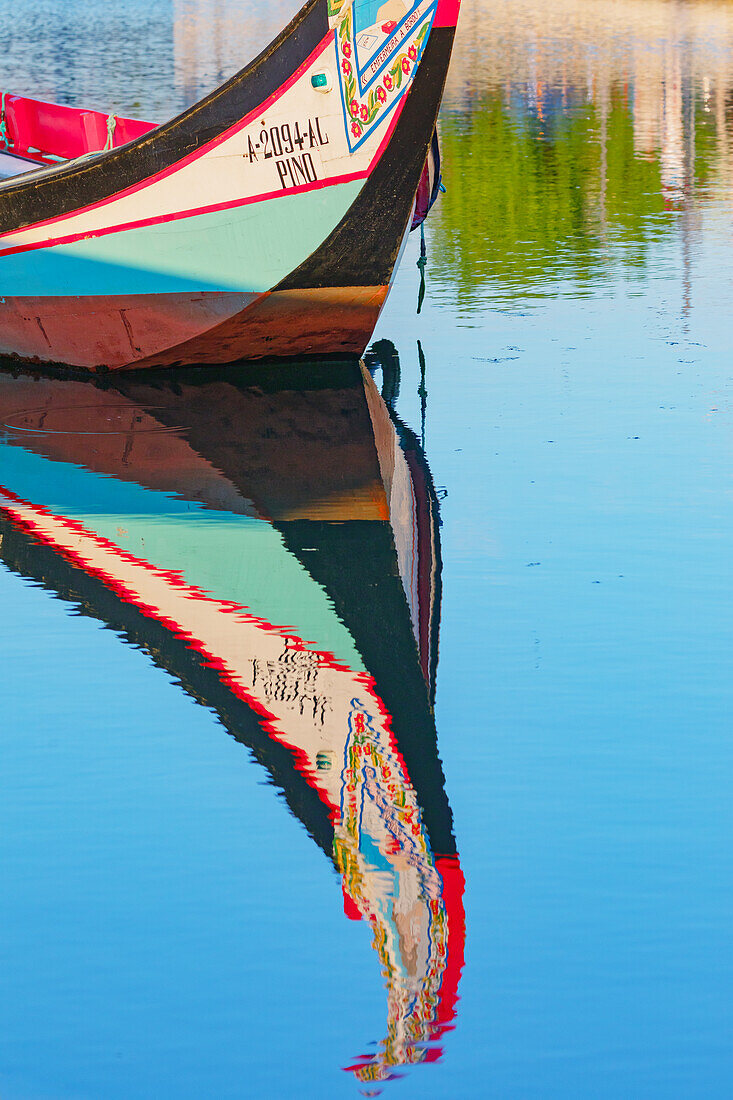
(368, 110)
(334, 7)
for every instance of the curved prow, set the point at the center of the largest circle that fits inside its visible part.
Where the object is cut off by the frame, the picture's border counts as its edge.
(264, 221)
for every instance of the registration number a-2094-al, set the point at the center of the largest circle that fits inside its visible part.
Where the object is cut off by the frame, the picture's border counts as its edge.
(290, 145)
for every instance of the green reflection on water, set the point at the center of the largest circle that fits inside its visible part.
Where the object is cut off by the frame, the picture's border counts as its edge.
(533, 198)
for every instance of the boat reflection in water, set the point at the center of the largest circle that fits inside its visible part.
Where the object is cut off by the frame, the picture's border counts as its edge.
(276, 547)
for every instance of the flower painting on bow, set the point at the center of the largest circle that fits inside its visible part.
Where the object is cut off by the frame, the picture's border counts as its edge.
(392, 880)
(378, 47)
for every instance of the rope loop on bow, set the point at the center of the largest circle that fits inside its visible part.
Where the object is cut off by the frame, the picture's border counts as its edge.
(111, 127)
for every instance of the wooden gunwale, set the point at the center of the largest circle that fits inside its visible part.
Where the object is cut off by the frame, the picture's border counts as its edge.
(110, 293)
(54, 192)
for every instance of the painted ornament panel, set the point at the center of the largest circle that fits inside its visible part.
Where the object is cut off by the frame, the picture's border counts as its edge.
(379, 44)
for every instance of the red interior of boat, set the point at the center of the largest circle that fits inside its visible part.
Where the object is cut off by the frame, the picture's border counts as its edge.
(47, 133)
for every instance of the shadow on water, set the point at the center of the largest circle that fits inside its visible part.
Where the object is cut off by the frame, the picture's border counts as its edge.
(273, 542)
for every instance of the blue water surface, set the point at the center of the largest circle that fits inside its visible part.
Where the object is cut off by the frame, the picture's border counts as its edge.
(167, 925)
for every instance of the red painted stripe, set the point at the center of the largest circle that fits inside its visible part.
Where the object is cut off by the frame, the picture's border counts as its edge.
(447, 13)
(454, 885)
(178, 216)
(193, 212)
(351, 909)
(175, 581)
(203, 151)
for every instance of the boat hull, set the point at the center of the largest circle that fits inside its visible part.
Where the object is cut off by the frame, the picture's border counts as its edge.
(197, 243)
(117, 333)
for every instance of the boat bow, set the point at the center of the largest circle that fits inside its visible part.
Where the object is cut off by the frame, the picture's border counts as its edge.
(265, 221)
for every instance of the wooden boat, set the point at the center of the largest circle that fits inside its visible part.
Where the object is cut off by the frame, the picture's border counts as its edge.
(273, 542)
(265, 221)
